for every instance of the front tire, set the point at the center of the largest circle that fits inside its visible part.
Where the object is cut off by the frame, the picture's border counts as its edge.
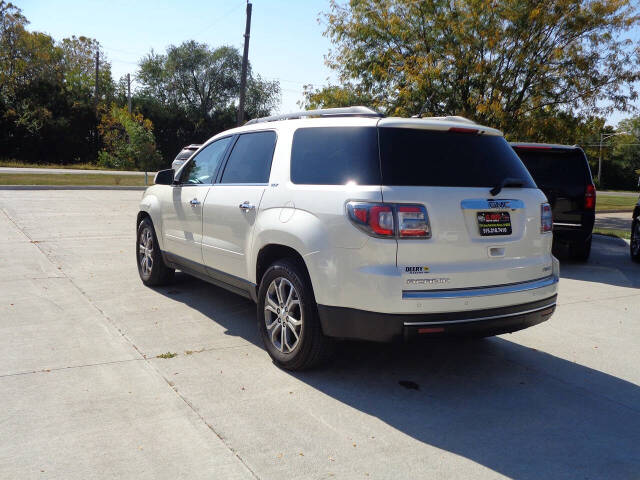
(151, 267)
(635, 240)
(288, 317)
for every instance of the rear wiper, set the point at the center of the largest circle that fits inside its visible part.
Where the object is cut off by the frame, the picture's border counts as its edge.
(507, 182)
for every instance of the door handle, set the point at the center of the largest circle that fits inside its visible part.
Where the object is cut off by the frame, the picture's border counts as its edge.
(194, 202)
(246, 206)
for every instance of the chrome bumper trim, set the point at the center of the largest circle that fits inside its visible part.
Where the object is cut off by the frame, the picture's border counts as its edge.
(575, 225)
(479, 319)
(481, 291)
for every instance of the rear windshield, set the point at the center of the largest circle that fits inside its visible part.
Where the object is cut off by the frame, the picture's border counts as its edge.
(556, 167)
(335, 156)
(415, 157)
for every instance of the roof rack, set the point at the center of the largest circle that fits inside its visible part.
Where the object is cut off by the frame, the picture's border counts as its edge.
(323, 112)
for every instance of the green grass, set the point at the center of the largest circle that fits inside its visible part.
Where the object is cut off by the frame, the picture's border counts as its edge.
(95, 179)
(608, 203)
(613, 232)
(76, 166)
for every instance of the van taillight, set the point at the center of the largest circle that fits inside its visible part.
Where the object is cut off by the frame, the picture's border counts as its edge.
(546, 218)
(590, 198)
(381, 219)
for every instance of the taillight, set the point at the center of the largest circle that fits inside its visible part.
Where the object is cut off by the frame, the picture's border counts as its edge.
(381, 219)
(546, 218)
(590, 198)
(413, 221)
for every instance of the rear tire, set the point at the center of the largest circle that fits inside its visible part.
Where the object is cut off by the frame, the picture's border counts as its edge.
(151, 267)
(581, 251)
(635, 240)
(288, 318)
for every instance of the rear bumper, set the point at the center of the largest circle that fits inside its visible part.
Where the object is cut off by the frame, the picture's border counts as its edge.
(385, 327)
(572, 232)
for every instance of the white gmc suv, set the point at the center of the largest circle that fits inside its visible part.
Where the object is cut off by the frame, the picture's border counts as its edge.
(341, 223)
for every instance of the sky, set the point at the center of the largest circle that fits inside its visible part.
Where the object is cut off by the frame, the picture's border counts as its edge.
(287, 42)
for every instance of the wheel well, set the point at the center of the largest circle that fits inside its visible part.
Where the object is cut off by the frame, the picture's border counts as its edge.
(273, 252)
(141, 215)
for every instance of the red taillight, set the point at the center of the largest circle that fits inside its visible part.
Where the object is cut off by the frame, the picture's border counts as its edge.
(546, 218)
(380, 219)
(413, 221)
(590, 198)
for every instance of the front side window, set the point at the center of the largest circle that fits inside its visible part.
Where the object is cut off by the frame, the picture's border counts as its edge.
(250, 159)
(202, 168)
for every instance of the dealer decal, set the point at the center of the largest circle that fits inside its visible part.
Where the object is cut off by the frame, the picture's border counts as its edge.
(416, 270)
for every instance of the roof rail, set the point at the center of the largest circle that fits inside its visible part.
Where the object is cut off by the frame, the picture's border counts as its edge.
(323, 112)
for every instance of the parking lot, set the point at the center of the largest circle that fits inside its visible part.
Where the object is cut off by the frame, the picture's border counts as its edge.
(85, 395)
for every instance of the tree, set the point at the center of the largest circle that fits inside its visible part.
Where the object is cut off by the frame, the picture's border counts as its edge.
(128, 141)
(512, 64)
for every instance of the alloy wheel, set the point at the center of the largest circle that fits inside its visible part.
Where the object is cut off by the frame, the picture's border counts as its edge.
(282, 315)
(145, 250)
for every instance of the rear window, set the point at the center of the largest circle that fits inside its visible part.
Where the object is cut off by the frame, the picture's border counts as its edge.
(335, 156)
(556, 167)
(184, 154)
(413, 157)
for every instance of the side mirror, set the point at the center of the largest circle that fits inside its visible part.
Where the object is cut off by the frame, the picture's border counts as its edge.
(164, 177)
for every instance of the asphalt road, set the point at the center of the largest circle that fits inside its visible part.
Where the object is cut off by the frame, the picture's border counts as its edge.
(84, 396)
(59, 171)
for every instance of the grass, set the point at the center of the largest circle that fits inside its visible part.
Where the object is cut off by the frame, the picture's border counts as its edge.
(76, 166)
(609, 203)
(95, 179)
(167, 355)
(613, 232)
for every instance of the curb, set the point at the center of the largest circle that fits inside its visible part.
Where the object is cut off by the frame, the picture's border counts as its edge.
(69, 187)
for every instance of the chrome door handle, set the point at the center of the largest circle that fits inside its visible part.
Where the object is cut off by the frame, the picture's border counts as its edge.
(246, 206)
(194, 202)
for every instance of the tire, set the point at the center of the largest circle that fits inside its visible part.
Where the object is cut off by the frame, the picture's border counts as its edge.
(293, 337)
(581, 251)
(635, 240)
(151, 267)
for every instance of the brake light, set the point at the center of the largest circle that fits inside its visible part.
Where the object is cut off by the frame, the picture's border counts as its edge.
(381, 219)
(463, 130)
(413, 221)
(590, 198)
(546, 218)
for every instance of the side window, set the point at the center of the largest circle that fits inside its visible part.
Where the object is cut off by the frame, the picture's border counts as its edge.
(250, 159)
(335, 156)
(201, 169)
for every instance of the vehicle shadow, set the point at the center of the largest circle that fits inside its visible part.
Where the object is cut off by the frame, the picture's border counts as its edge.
(515, 410)
(609, 263)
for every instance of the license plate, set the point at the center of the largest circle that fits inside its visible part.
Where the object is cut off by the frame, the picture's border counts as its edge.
(494, 223)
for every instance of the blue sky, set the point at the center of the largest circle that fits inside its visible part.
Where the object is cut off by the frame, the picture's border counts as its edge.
(287, 42)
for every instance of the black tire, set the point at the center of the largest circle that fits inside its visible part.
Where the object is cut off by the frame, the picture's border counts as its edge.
(157, 273)
(308, 347)
(581, 251)
(635, 240)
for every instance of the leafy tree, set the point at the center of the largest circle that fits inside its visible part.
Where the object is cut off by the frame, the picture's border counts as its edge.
(128, 141)
(512, 64)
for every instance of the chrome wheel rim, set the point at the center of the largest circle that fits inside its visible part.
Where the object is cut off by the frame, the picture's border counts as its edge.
(635, 238)
(145, 249)
(282, 315)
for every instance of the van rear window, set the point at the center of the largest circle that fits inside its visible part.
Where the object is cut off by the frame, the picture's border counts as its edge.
(415, 157)
(335, 156)
(566, 167)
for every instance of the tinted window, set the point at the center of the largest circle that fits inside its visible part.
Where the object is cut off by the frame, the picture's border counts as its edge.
(335, 156)
(203, 166)
(556, 167)
(447, 159)
(250, 159)
(184, 155)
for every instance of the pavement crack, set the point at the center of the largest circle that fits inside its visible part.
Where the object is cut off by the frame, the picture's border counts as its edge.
(56, 369)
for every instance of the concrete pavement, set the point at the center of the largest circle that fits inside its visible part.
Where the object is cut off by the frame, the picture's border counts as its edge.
(617, 220)
(84, 394)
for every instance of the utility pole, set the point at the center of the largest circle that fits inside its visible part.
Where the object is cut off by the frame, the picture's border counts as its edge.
(129, 92)
(95, 97)
(245, 60)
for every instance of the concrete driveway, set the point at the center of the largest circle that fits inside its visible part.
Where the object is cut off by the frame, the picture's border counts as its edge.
(84, 395)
